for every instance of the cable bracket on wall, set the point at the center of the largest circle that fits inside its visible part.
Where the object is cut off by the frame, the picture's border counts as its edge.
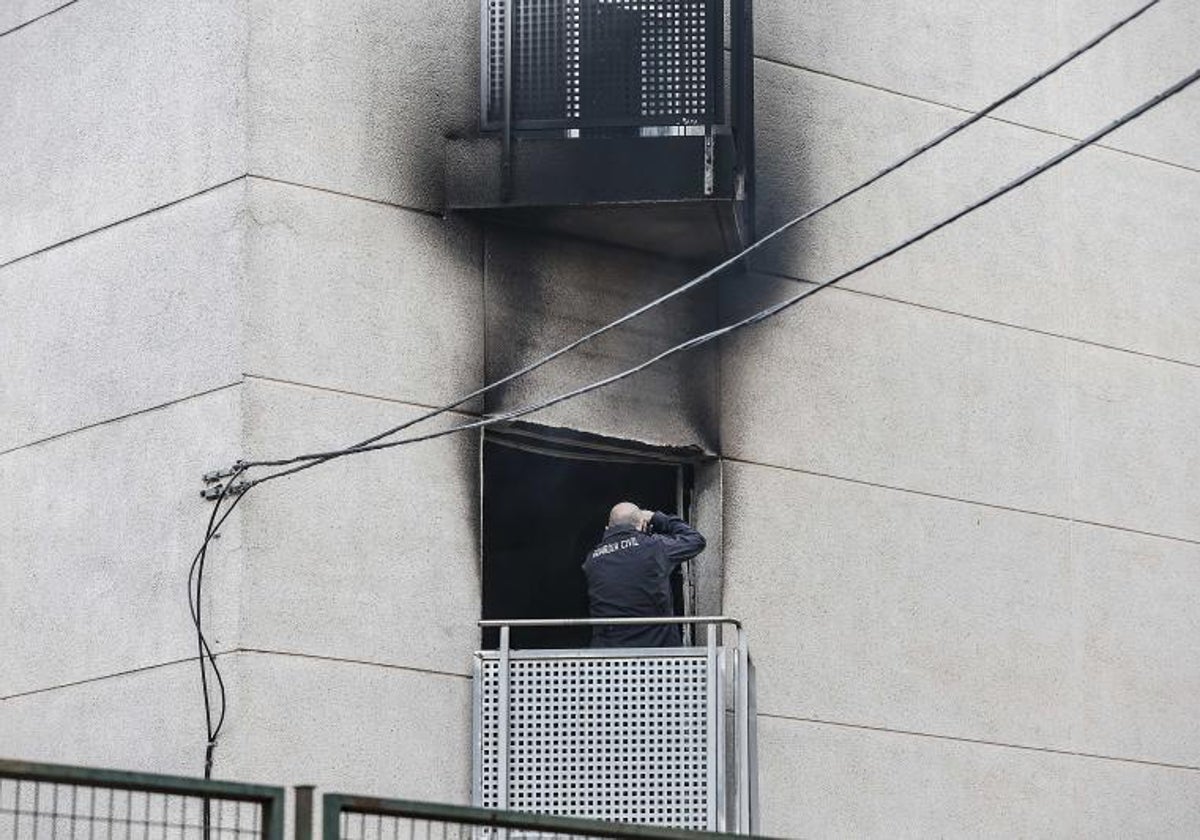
(214, 481)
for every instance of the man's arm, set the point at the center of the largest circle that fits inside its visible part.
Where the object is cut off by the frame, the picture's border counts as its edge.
(681, 540)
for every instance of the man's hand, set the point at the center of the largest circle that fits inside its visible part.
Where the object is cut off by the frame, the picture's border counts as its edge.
(644, 522)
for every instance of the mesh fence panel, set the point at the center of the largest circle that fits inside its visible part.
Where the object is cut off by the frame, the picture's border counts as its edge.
(39, 810)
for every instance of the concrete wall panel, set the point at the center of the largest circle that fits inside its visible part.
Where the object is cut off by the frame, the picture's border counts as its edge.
(349, 727)
(1041, 257)
(882, 392)
(829, 781)
(150, 721)
(113, 108)
(131, 317)
(952, 54)
(362, 297)
(1133, 441)
(373, 557)
(100, 529)
(902, 611)
(543, 293)
(356, 96)
(878, 391)
(822, 136)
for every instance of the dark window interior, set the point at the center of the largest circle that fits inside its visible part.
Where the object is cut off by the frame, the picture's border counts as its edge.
(542, 512)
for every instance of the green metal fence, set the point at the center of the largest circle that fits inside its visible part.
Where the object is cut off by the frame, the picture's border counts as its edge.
(56, 802)
(364, 818)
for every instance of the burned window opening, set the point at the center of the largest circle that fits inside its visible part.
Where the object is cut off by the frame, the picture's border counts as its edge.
(545, 503)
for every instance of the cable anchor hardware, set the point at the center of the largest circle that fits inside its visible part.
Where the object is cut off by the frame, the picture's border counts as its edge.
(215, 481)
(214, 476)
(213, 492)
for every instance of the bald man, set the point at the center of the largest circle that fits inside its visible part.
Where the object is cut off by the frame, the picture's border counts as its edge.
(629, 574)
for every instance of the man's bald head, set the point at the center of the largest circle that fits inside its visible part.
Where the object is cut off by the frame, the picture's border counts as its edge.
(625, 513)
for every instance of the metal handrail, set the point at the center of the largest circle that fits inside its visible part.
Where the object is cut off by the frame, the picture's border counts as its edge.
(335, 804)
(592, 622)
(149, 782)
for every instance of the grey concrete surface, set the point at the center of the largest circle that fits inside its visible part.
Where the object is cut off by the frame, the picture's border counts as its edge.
(708, 517)
(957, 54)
(362, 297)
(897, 610)
(356, 96)
(1133, 441)
(995, 263)
(100, 527)
(833, 781)
(879, 391)
(349, 727)
(374, 557)
(151, 721)
(113, 108)
(123, 320)
(821, 136)
(883, 392)
(543, 292)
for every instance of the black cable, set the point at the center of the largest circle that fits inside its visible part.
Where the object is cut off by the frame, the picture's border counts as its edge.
(322, 457)
(205, 652)
(771, 310)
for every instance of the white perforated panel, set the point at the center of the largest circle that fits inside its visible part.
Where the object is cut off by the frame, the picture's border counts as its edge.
(622, 738)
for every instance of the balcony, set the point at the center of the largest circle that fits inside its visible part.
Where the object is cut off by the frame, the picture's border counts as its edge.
(614, 120)
(656, 736)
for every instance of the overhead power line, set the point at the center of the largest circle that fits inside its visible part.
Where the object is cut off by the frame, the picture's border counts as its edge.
(322, 457)
(769, 311)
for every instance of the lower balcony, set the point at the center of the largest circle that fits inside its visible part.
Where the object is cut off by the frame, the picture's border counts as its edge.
(654, 736)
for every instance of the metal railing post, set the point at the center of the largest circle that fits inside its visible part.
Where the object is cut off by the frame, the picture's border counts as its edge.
(716, 712)
(742, 721)
(502, 756)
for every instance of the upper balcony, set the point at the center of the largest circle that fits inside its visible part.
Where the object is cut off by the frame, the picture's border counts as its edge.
(658, 736)
(614, 120)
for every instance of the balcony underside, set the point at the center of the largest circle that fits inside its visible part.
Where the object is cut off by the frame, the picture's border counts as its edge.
(646, 193)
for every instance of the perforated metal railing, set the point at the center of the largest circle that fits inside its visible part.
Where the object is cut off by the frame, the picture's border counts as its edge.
(593, 63)
(54, 802)
(654, 736)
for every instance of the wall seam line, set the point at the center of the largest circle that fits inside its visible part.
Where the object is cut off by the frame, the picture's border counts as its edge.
(125, 673)
(926, 494)
(1001, 120)
(346, 392)
(981, 319)
(420, 211)
(223, 653)
(352, 661)
(118, 222)
(116, 419)
(981, 741)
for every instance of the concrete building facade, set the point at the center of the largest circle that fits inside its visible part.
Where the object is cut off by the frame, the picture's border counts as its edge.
(953, 500)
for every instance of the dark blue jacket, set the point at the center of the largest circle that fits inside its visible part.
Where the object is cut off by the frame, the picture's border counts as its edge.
(629, 574)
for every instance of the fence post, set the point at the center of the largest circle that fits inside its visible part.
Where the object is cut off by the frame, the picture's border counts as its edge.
(303, 798)
(331, 816)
